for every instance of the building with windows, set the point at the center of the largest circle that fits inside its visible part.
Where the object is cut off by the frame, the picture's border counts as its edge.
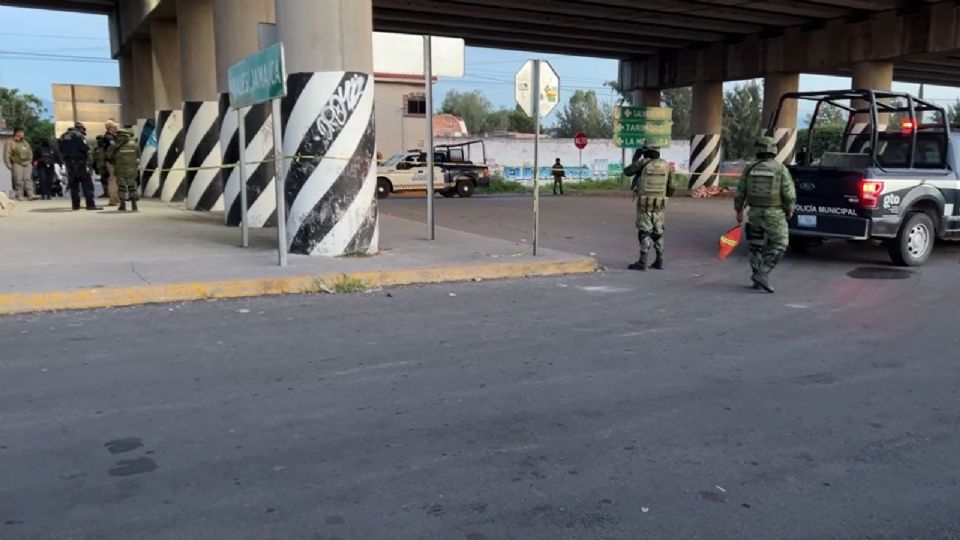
(401, 113)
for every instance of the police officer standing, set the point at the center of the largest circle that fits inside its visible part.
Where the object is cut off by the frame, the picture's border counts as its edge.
(123, 157)
(47, 157)
(653, 188)
(767, 188)
(76, 155)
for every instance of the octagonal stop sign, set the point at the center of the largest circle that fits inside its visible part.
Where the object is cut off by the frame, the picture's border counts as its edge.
(580, 140)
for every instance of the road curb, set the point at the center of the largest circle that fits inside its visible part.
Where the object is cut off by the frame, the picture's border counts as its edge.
(242, 288)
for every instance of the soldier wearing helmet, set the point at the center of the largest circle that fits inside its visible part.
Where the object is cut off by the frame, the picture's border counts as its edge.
(652, 187)
(767, 188)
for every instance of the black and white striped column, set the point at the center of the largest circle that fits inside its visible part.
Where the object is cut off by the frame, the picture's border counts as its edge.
(261, 193)
(170, 184)
(201, 154)
(704, 160)
(786, 140)
(331, 190)
(147, 140)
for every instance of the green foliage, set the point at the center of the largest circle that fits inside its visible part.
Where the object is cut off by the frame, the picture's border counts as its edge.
(681, 101)
(25, 111)
(473, 107)
(499, 185)
(953, 112)
(826, 138)
(584, 112)
(343, 284)
(519, 122)
(741, 120)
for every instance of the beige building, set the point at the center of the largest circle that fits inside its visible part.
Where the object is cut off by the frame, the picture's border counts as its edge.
(401, 109)
(92, 105)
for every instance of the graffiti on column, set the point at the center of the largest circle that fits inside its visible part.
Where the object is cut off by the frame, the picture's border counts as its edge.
(168, 184)
(261, 194)
(704, 160)
(201, 153)
(147, 141)
(330, 185)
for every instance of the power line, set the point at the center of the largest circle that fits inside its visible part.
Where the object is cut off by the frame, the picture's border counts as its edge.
(52, 36)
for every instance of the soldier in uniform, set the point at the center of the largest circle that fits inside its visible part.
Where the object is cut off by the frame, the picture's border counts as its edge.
(107, 176)
(767, 188)
(558, 174)
(123, 157)
(98, 155)
(653, 189)
(76, 155)
(18, 157)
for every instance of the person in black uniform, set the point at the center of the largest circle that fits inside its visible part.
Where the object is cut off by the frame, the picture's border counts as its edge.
(76, 155)
(47, 157)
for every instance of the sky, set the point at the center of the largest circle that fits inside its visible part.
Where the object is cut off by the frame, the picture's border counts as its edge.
(42, 47)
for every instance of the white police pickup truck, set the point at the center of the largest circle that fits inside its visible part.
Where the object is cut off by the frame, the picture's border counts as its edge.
(891, 174)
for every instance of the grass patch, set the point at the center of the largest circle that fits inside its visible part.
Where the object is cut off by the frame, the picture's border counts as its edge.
(500, 185)
(344, 284)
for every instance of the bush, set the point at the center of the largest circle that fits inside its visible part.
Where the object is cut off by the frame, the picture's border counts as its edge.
(499, 185)
(826, 138)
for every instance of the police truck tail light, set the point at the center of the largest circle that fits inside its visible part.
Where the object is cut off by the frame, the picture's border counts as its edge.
(906, 126)
(870, 193)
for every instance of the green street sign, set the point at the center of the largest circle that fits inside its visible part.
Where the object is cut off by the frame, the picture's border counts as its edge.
(258, 78)
(636, 141)
(644, 128)
(630, 114)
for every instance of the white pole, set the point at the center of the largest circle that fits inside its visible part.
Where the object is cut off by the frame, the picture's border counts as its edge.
(580, 166)
(242, 145)
(536, 154)
(280, 183)
(428, 77)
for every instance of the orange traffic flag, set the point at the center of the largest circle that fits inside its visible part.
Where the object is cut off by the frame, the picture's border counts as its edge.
(728, 242)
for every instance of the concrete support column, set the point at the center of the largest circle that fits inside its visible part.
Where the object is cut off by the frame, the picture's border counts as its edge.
(203, 182)
(128, 113)
(235, 33)
(646, 97)
(144, 109)
(167, 182)
(706, 126)
(328, 117)
(775, 85)
(871, 76)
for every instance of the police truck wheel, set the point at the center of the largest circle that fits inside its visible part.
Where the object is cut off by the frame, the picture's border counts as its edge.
(464, 188)
(384, 188)
(914, 243)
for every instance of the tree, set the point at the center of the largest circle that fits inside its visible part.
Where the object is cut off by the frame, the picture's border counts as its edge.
(585, 113)
(953, 112)
(474, 108)
(742, 117)
(520, 122)
(25, 111)
(681, 101)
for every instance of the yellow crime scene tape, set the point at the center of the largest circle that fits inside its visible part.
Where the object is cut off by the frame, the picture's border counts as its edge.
(295, 158)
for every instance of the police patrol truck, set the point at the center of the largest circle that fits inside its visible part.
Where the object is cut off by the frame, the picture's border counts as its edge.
(454, 174)
(889, 174)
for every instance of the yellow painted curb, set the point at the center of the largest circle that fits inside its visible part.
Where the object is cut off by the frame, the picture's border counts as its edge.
(185, 292)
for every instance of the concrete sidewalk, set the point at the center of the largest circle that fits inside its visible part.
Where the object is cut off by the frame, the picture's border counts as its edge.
(54, 258)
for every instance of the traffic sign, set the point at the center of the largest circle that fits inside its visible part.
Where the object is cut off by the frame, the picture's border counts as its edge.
(548, 88)
(580, 140)
(635, 127)
(258, 78)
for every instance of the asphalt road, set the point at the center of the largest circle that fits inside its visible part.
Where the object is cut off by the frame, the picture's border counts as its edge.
(621, 405)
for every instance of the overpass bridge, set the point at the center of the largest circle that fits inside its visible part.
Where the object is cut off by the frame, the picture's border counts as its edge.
(174, 54)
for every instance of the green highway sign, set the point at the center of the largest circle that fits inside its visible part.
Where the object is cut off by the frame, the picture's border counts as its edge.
(258, 78)
(636, 141)
(639, 114)
(642, 128)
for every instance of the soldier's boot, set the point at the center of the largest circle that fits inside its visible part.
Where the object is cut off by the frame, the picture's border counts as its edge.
(133, 205)
(769, 263)
(641, 264)
(123, 206)
(762, 281)
(658, 264)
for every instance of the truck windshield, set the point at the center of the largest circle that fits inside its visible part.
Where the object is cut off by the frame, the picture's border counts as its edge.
(392, 162)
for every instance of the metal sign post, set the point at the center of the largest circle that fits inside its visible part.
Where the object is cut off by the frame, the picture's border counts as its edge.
(537, 93)
(428, 79)
(259, 78)
(242, 145)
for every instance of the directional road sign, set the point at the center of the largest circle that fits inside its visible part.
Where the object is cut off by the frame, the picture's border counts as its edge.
(634, 127)
(258, 78)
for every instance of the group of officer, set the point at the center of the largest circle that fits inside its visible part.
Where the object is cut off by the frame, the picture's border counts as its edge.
(115, 158)
(766, 187)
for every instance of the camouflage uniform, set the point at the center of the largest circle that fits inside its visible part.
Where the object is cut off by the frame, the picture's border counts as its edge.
(124, 156)
(767, 188)
(652, 190)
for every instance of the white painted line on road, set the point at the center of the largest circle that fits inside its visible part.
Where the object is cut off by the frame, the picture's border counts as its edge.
(798, 306)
